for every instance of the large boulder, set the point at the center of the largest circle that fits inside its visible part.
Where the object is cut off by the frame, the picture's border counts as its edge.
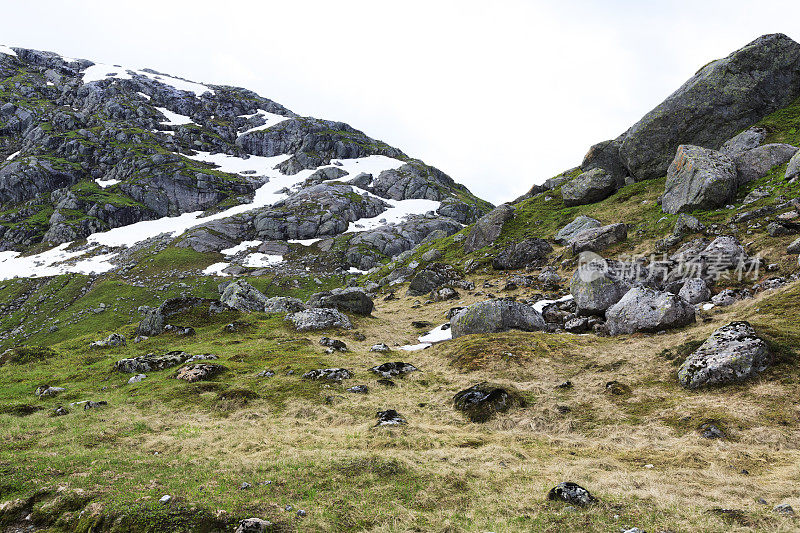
(318, 318)
(589, 187)
(431, 278)
(721, 99)
(243, 296)
(528, 252)
(605, 155)
(283, 304)
(351, 299)
(580, 223)
(698, 178)
(732, 353)
(154, 320)
(695, 291)
(747, 140)
(645, 309)
(597, 239)
(595, 288)
(756, 163)
(488, 228)
(493, 316)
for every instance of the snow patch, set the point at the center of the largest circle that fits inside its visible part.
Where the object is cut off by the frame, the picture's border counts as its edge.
(440, 334)
(100, 71)
(51, 263)
(216, 269)
(541, 304)
(7, 51)
(173, 119)
(271, 120)
(400, 210)
(304, 242)
(241, 247)
(258, 260)
(106, 183)
(12, 156)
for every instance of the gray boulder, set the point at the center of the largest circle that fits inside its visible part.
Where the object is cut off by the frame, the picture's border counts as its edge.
(793, 168)
(645, 309)
(747, 140)
(595, 288)
(243, 296)
(151, 362)
(488, 228)
(698, 178)
(605, 155)
(687, 224)
(351, 299)
(283, 304)
(431, 278)
(695, 291)
(571, 493)
(580, 223)
(724, 97)
(756, 163)
(493, 316)
(794, 248)
(732, 353)
(253, 525)
(589, 187)
(482, 401)
(530, 252)
(112, 341)
(328, 374)
(597, 239)
(315, 319)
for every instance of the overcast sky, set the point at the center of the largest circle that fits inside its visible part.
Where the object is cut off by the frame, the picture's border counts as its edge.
(499, 94)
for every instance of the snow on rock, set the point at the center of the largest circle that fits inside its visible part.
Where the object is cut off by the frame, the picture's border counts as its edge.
(7, 51)
(399, 211)
(440, 334)
(271, 120)
(52, 262)
(241, 247)
(304, 242)
(216, 269)
(106, 183)
(173, 119)
(100, 71)
(541, 304)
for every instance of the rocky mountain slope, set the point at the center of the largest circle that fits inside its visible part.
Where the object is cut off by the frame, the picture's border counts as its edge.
(220, 316)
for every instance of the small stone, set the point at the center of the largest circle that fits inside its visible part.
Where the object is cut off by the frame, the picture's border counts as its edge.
(244, 486)
(165, 499)
(136, 379)
(359, 389)
(784, 508)
(390, 417)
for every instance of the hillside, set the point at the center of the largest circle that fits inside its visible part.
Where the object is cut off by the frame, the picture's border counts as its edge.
(220, 316)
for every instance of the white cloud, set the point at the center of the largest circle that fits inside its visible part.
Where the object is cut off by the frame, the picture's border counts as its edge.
(498, 94)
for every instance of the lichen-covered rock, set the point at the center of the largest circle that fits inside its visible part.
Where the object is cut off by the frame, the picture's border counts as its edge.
(254, 525)
(243, 296)
(588, 188)
(645, 309)
(198, 372)
(605, 155)
(151, 362)
(598, 239)
(112, 341)
(493, 316)
(351, 299)
(723, 98)
(482, 401)
(431, 278)
(328, 374)
(595, 287)
(793, 168)
(581, 222)
(488, 228)
(699, 178)
(747, 140)
(397, 368)
(756, 163)
(732, 353)
(695, 291)
(529, 252)
(389, 417)
(571, 493)
(283, 304)
(319, 318)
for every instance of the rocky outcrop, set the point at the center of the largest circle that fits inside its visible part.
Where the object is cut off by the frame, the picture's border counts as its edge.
(328, 374)
(732, 353)
(581, 222)
(648, 310)
(724, 97)
(283, 304)
(530, 252)
(431, 278)
(493, 316)
(394, 369)
(747, 140)
(488, 228)
(699, 178)
(595, 288)
(151, 362)
(588, 188)
(243, 296)
(605, 155)
(571, 493)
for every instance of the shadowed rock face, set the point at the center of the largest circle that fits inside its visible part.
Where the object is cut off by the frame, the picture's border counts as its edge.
(723, 98)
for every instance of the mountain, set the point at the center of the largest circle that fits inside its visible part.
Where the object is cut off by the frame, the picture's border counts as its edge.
(216, 315)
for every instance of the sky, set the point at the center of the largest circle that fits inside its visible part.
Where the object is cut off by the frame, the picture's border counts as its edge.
(499, 94)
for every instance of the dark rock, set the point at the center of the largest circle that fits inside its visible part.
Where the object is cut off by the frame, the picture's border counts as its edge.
(390, 370)
(151, 362)
(443, 294)
(747, 140)
(94, 405)
(254, 525)
(488, 228)
(695, 291)
(595, 287)
(112, 341)
(352, 299)
(581, 222)
(597, 239)
(577, 325)
(359, 389)
(709, 430)
(588, 188)
(756, 163)
(333, 343)
(482, 401)
(380, 348)
(390, 417)
(328, 374)
(243, 296)
(431, 278)
(571, 493)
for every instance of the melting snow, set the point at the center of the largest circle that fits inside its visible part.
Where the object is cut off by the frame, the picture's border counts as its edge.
(99, 71)
(51, 263)
(400, 210)
(440, 334)
(173, 119)
(145, 96)
(257, 260)
(7, 51)
(12, 156)
(106, 183)
(304, 242)
(241, 247)
(271, 120)
(216, 269)
(541, 304)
